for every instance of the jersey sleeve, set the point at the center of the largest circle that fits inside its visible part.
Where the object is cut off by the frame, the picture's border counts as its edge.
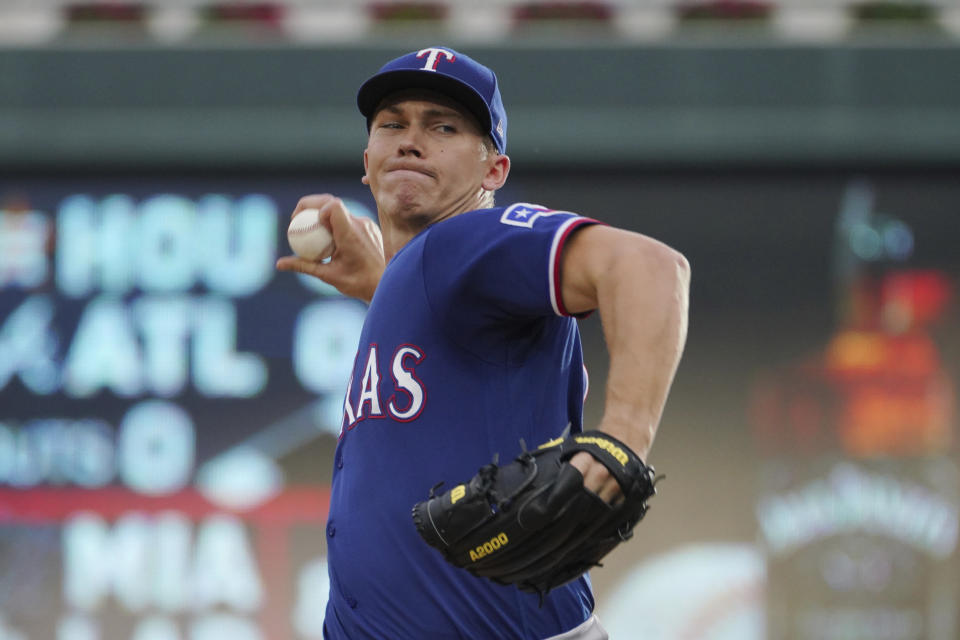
(500, 263)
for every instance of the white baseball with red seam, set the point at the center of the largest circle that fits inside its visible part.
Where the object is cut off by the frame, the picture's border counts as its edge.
(308, 238)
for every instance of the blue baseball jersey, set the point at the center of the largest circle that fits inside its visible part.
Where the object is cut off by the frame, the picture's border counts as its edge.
(466, 349)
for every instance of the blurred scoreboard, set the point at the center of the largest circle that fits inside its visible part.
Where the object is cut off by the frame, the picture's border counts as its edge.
(168, 404)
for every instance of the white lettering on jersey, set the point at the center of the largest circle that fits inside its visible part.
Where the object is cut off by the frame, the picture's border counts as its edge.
(407, 382)
(347, 409)
(370, 387)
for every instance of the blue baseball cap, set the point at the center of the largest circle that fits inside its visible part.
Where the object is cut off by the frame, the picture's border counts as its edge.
(445, 71)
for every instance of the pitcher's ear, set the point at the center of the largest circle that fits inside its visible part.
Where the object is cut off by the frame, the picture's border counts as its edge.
(497, 173)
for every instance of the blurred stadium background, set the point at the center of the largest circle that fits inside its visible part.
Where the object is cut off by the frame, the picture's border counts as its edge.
(169, 404)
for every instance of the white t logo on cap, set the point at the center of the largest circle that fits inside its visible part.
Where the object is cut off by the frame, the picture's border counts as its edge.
(433, 57)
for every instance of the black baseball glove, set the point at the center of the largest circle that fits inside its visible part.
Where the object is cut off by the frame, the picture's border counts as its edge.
(531, 522)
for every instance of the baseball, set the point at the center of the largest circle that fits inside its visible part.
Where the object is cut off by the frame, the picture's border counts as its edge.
(308, 238)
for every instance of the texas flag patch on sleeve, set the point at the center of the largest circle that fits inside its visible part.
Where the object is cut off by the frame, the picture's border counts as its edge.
(523, 214)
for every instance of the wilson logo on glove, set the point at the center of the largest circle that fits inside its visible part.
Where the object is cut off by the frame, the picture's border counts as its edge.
(531, 523)
(607, 446)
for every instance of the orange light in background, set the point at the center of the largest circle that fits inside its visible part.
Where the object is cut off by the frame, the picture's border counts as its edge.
(870, 394)
(905, 419)
(853, 354)
(895, 397)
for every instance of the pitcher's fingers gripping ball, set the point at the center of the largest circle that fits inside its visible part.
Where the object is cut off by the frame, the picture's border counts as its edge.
(531, 522)
(308, 237)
